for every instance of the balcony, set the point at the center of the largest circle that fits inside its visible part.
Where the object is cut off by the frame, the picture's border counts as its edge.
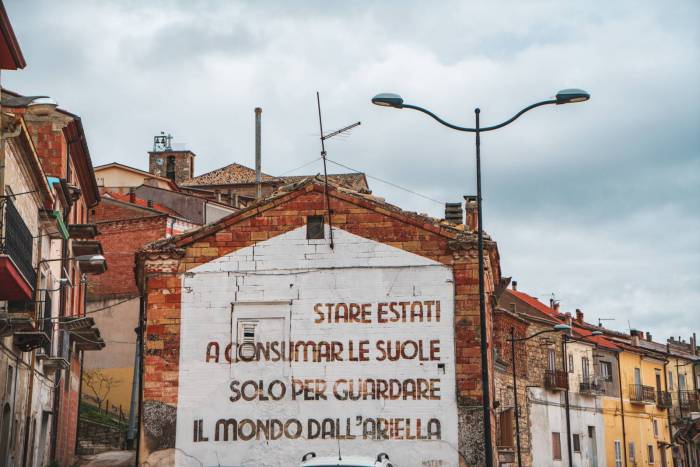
(688, 401)
(642, 394)
(17, 274)
(663, 400)
(556, 380)
(592, 385)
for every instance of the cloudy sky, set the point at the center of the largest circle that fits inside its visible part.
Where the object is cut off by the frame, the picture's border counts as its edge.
(596, 203)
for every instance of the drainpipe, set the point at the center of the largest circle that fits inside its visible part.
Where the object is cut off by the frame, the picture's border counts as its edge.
(668, 409)
(132, 430)
(622, 408)
(140, 340)
(566, 401)
(258, 162)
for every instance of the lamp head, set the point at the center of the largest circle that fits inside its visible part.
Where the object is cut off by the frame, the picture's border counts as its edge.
(92, 259)
(387, 99)
(42, 106)
(597, 333)
(570, 96)
(561, 327)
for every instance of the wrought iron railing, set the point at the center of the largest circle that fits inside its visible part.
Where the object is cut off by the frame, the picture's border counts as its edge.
(688, 401)
(17, 241)
(556, 379)
(663, 399)
(642, 394)
(591, 385)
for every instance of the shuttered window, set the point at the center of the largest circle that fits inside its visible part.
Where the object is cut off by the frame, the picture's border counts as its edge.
(556, 446)
(505, 429)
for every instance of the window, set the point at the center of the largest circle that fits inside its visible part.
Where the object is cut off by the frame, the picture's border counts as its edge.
(571, 363)
(650, 453)
(618, 454)
(584, 368)
(556, 446)
(551, 360)
(681, 382)
(655, 424)
(314, 228)
(670, 380)
(637, 376)
(505, 429)
(606, 370)
(630, 453)
(577, 442)
(170, 168)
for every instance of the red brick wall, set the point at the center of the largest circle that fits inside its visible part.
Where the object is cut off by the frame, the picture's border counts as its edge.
(68, 413)
(120, 241)
(357, 216)
(51, 147)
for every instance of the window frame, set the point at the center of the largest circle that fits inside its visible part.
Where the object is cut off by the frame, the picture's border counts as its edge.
(556, 446)
(576, 442)
(617, 449)
(651, 457)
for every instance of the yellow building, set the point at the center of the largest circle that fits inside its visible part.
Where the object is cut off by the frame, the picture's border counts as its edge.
(637, 431)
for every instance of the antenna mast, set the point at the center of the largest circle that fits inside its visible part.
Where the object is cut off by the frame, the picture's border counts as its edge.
(325, 172)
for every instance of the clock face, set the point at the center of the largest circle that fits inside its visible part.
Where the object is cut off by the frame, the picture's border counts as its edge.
(159, 161)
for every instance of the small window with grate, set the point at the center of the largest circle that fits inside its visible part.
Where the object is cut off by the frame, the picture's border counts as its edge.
(314, 228)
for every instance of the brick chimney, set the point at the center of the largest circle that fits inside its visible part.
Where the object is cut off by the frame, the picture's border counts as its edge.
(569, 320)
(472, 213)
(132, 195)
(514, 285)
(648, 337)
(579, 315)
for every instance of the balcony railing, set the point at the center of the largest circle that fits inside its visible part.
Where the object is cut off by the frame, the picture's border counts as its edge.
(17, 241)
(592, 385)
(642, 394)
(663, 399)
(688, 401)
(556, 380)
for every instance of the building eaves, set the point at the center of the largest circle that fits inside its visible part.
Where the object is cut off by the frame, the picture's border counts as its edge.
(11, 57)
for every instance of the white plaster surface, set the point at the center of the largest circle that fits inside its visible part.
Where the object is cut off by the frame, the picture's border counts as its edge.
(275, 285)
(547, 415)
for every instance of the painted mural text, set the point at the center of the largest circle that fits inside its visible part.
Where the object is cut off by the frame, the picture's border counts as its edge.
(368, 428)
(419, 311)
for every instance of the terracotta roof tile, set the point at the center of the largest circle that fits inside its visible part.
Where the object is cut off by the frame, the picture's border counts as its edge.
(141, 203)
(227, 175)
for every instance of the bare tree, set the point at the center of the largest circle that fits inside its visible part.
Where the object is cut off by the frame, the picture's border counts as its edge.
(100, 385)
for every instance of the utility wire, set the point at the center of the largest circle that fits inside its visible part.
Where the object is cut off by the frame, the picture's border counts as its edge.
(300, 167)
(442, 203)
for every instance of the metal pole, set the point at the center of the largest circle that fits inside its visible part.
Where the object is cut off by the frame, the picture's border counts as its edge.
(485, 386)
(515, 397)
(566, 402)
(325, 173)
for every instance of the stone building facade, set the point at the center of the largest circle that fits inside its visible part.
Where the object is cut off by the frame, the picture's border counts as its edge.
(217, 291)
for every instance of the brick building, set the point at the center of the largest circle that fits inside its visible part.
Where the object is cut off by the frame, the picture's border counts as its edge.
(380, 332)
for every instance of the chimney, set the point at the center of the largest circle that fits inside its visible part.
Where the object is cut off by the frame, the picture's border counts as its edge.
(635, 340)
(579, 315)
(648, 337)
(453, 213)
(132, 195)
(472, 211)
(258, 162)
(514, 284)
(568, 320)
(694, 345)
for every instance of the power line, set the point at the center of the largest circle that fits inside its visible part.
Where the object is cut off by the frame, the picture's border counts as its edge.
(300, 167)
(442, 203)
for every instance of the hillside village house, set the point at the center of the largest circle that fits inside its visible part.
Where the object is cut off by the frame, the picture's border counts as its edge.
(263, 343)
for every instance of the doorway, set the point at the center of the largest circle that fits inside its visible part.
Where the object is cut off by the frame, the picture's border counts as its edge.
(594, 446)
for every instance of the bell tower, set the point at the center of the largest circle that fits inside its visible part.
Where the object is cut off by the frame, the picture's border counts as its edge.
(164, 161)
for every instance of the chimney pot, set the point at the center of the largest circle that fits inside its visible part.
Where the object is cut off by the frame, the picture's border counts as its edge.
(648, 337)
(453, 213)
(515, 285)
(579, 315)
(471, 209)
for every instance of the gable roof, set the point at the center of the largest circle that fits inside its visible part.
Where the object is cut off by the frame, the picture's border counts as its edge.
(128, 168)
(235, 174)
(231, 174)
(290, 192)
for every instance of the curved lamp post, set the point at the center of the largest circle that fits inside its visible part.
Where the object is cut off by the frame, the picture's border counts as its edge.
(567, 338)
(513, 340)
(566, 96)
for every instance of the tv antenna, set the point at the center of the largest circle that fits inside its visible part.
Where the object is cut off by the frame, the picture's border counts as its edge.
(600, 321)
(323, 156)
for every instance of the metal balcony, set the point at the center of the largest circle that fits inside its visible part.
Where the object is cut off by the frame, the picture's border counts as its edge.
(556, 380)
(17, 274)
(640, 394)
(592, 385)
(663, 400)
(688, 401)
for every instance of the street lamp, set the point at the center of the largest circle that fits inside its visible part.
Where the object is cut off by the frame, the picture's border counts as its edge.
(513, 340)
(90, 259)
(568, 338)
(566, 96)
